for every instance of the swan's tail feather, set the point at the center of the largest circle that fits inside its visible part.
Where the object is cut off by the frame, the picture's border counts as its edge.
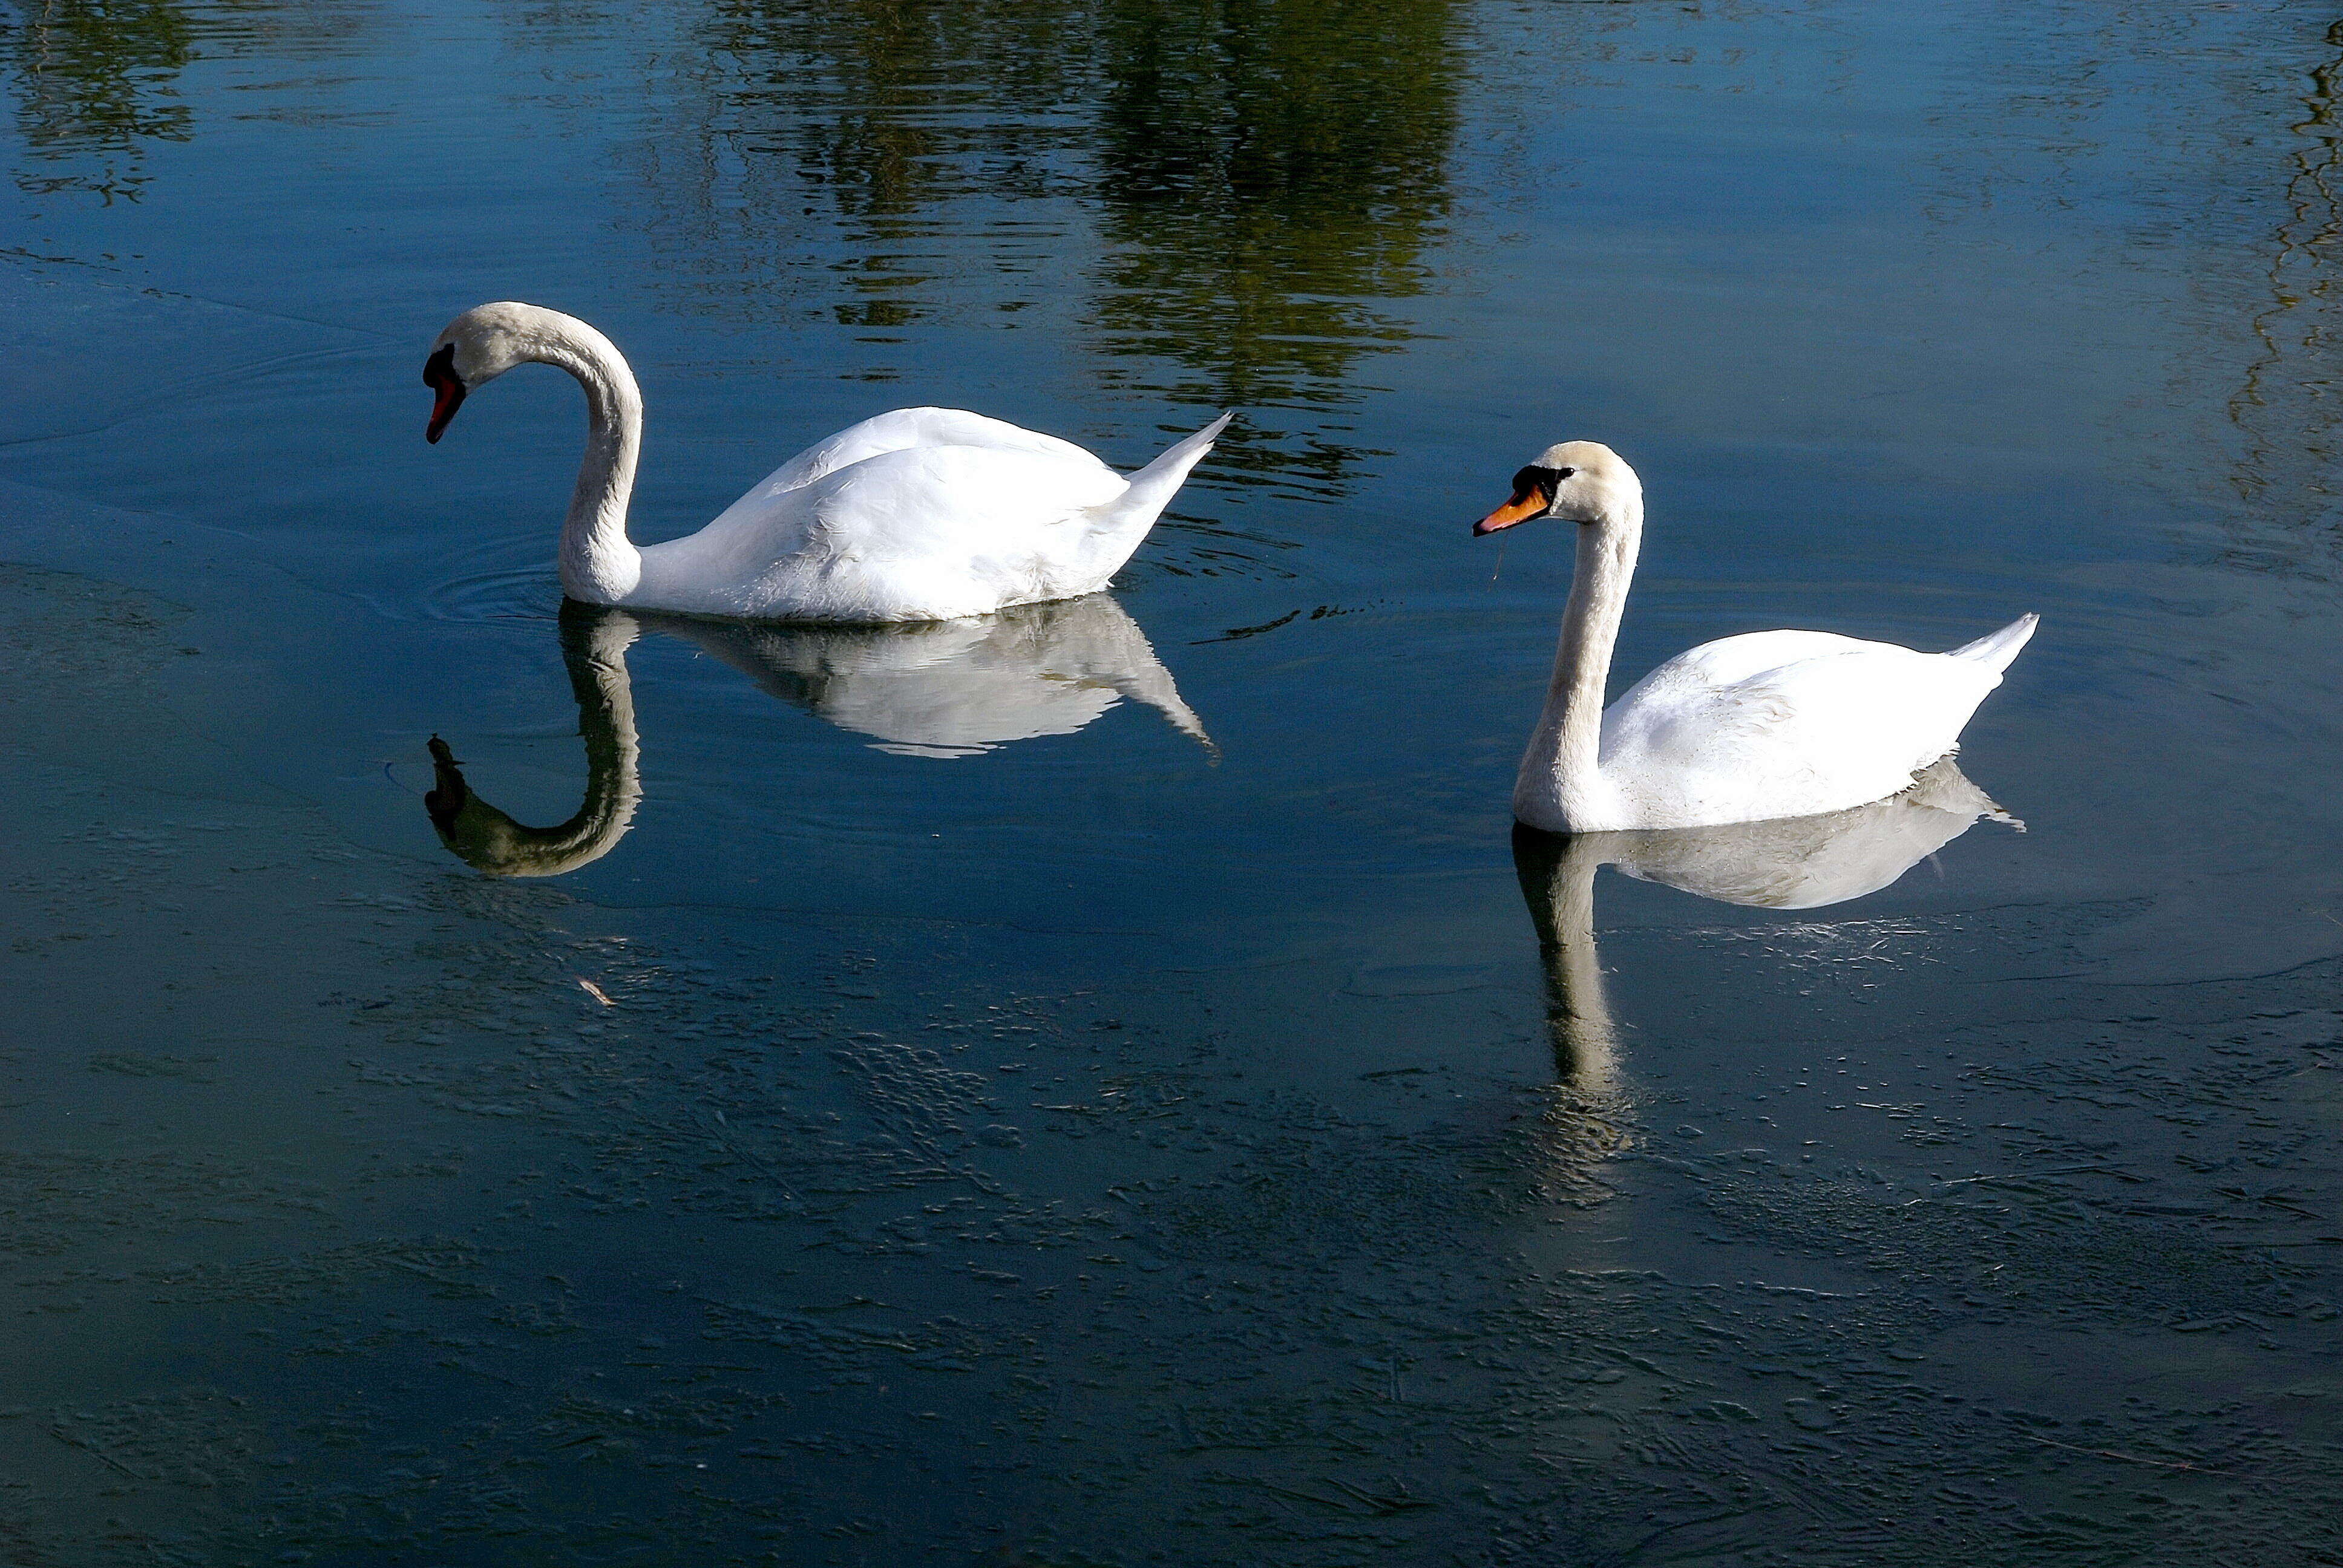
(1994, 652)
(1152, 487)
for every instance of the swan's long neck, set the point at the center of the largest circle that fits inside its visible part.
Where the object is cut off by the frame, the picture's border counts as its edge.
(599, 565)
(1560, 787)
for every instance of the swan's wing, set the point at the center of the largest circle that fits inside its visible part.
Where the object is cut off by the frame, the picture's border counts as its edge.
(921, 533)
(1731, 660)
(1838, 723)
(957, 503)
(904, 428)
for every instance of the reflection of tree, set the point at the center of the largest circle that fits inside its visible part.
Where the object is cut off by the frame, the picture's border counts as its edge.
(97, 79)
(1269, 171)
(871, 113)
(1271, 168)
(94, 81)
(2287, 407)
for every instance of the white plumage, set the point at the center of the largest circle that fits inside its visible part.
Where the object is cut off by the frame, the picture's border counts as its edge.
(918, 515)
(1773, 724)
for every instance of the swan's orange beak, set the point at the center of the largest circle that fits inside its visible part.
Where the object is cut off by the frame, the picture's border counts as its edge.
(439, 375)
(1528, 502)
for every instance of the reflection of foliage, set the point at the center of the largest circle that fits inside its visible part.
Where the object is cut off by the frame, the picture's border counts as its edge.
(876, 111)
(93, 80)
(1267, 173)
(1271, 166)
(891, 101)
(2287, 406)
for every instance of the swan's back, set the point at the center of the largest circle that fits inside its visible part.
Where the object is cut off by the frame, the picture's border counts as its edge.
(912, 534)
(902, 429)
(1789, 724)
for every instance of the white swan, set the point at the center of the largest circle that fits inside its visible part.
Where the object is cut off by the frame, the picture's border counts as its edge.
(923, 513)
(1744, 729)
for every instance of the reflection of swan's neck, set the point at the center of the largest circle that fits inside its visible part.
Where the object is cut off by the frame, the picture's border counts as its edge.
(598, 565)
(594, 647)
(1558, 881)
(1560, 779)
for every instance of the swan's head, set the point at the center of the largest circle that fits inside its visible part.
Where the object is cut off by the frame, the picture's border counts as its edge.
(479, 346)
(1575, 481)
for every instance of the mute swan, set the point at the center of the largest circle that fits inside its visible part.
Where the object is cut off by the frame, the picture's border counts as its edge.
(1744, 729)
(923, 514)
(952, 689)
(1797, 863)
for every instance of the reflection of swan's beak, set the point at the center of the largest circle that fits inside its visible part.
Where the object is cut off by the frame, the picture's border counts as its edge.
(448, 791)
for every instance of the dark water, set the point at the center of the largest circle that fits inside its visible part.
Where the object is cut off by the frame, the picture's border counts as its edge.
(1094, 1090)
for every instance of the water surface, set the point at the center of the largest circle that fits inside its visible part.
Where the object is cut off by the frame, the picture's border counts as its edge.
(1108, 1087)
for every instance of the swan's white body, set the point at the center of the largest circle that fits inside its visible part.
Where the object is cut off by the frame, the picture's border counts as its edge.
(919, 514)
(1775, 724)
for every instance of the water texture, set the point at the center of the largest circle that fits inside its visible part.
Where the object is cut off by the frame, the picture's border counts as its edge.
(1108, 1085)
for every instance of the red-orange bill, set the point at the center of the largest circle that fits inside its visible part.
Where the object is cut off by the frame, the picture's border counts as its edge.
(1525, 504)
(443, 407)
(448, 390)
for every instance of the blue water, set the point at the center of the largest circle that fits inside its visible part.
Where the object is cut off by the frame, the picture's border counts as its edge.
(1147, 1127)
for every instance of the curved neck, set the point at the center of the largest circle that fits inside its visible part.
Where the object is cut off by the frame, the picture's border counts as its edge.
(594, 645)
(599, 565)
(1560, 785)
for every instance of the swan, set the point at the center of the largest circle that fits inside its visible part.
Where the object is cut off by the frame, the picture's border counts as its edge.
(921, 514)
(943, 690)
(1795, 863)
(1772, 724)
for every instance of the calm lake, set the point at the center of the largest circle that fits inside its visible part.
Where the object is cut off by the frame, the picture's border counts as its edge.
(1105, 1086)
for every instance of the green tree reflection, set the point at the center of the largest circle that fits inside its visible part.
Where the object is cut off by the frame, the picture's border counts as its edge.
(2287, 407)
(1273, 172)
(94, 82)
(1257, 180)
(871, 113)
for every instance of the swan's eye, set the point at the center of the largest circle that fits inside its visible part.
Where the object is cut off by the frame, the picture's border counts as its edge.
(1535, 480)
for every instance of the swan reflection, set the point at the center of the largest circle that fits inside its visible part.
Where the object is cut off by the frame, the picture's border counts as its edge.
(942, 689)
(1797, 863)
(954, 687)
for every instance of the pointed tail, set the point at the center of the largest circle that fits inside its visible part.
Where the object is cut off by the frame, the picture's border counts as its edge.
(1152, 487)
(1994, 652)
